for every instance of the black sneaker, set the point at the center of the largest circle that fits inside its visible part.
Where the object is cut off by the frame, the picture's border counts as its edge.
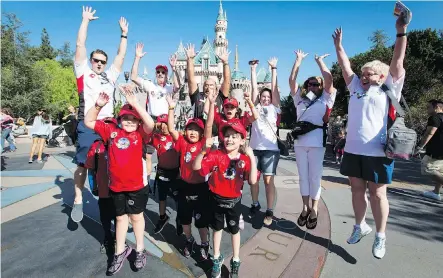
(204, 252)
(268, 217)
(253, 210)
(118, 261)
(189, 247)
(161, 223)
(235, 266)
(108, 246)
(140, 260)
(179, 227)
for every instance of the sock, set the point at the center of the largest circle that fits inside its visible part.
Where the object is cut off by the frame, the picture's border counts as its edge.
(206, 243)
(216, 256)
(236, 259)
(255, 204)
(380, 235)
(362, 224)
(162, 217)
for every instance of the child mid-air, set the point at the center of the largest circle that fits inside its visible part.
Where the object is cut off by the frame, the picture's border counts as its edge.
(193, 189)
(339, 148)
(127, 188)
(229, 167)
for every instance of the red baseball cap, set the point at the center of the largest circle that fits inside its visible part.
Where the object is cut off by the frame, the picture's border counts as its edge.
(196, 121)
(232, 101)
(237, 126)
(162, 67)
(127, 109)
(162, 118)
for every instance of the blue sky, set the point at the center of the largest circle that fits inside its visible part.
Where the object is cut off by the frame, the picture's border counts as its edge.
(260, 29)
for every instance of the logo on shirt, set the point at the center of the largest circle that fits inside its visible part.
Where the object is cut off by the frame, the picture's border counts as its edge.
(113, 135)
(241, 164)
(123, 143)
(188, 157)
(193, 148)
(92, 75)
(229, 174)
(198, 216)
(163, 138)
(168, 145)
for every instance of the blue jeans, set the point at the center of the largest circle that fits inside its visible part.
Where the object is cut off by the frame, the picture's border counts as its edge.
(5, 136)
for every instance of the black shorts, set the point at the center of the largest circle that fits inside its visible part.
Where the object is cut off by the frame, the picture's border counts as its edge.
(193, 201)
(130, 202)
(167, 183)
(148, 149)
(225, 207)
(369, 168)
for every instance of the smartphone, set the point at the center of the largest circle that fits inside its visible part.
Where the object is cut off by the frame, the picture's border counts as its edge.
(401, 10)
(253, 62)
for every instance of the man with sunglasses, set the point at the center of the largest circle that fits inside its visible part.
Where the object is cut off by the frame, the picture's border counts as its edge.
(90, 83)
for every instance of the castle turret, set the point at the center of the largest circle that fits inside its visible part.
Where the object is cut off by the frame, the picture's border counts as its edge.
(221, 26)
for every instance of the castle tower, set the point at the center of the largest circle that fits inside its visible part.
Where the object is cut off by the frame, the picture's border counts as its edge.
(221, 26)
(239, 83)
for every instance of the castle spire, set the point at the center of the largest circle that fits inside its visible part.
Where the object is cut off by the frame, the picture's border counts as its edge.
(236, 58)
(220, 10)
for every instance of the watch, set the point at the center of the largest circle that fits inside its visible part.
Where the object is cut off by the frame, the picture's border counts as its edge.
(401, 35)
(123, 36)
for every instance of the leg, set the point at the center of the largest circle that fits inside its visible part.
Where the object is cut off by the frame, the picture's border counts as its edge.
(10, 140)
(359, 199)
(216, 239)
(270, 191)
(33, 148)
(41, 145)
(106, 217)
(162, 188)
(434, 169)
(270, 162)
(121, 231)
(255, 187)
(138, 224)
(301, 155)
(315, 158)
(379, 205)
(79, 184)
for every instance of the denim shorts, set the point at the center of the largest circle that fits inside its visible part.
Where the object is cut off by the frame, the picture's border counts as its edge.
(267, 161)
(85, 138)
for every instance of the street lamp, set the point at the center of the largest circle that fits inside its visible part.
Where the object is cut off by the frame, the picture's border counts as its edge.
(126, 76)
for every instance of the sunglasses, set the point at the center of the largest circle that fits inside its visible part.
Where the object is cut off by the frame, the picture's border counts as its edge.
(314, 84)
(98, 60)
(162, 72)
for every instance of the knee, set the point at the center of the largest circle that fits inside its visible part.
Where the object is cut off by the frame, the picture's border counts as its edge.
(377, 194)
(137, 217)
(269, 180)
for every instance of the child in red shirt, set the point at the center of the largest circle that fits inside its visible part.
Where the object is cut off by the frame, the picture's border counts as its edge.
(167, 170)
(125, 168)
(193, 189)
(228, 167)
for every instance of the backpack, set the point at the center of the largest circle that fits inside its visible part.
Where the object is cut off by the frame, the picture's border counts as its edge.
(400, 140)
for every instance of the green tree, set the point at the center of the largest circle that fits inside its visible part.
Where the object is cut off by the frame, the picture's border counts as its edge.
(65, 56)
(47, 51)
(379, 39)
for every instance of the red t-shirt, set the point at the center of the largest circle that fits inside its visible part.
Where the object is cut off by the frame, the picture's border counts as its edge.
(188, 152)
(221, 121)
(167, 155)
(125, 153)
(228, 175)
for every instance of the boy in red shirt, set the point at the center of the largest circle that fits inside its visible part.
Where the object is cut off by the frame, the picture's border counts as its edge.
(193, 189)
(167, 170)
(228, 167)
(125, 168)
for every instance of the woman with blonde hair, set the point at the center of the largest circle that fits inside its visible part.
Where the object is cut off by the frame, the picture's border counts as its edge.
(40, 132)
(314, 103)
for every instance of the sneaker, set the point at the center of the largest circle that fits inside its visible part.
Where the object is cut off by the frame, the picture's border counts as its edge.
(179, 227)
(30, 161)
(268, 217)
(379, 247)
(161, 223)
(241, 223)
(216, 266)
(432, 195)
(77, 212)
(108, 246)
(118, 261)
(234, 268)
(204, 252)
(189, 247)
(358, 233)
(39, 161)
(140, 260)
(253, 210)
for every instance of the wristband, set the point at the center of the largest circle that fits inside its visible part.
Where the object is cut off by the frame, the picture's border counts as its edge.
(98, 107)
(401, 35)
(225, 64)
(274, 68)
(123, 36)
(171, 107)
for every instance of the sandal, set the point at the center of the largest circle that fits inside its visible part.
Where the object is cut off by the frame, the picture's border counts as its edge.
(312, 222)
(301, 221)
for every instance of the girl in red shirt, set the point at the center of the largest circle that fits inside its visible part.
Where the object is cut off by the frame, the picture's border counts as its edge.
(229, 167)
(193, 190)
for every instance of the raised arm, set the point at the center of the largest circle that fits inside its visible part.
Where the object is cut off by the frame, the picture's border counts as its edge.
(342, 57)
(192, 84)
(325, 72)
(293, 77)
(134, 71)
(253, 172)
(274, 85)
(171, 117)
(254, 111)
(176, 78)
(80, 50)
(92, 114)
(128, 92)
(118, 61)
(212, 98)
(396, 68)
(254, 86)
(226, 85)
(197, 164)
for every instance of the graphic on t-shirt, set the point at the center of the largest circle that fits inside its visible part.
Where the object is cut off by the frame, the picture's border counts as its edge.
(230, 173)
(113, 135)
(188, 157)
(241, 164)
(163, 138)
(193, 148)
(168, 145)
(123, 143)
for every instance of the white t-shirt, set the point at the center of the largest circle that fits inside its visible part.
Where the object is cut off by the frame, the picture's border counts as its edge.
(368, 116)
(262, 136)
(157, 104)
(314, 114)
(90, 85)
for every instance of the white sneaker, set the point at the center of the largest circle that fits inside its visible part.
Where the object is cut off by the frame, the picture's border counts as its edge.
(358, 233)
(379, 247)
(432, 195)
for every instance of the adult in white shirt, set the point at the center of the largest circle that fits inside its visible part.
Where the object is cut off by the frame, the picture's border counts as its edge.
(314, 102)
(156, 92)
(264, 140)
(364, 160)
(90, 83)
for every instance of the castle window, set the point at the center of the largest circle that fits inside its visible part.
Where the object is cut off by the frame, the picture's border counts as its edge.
(205, 64)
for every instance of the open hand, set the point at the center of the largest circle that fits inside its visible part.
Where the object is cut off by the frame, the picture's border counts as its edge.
(212, 97)
(224, 55)
(139, 50)
(88, 13)
(128, 91)
(246, 95)
(102, 100)
(253, 63)
(337, 36)
(124, 25)
(249, 152)
(319, 58)
(171, 101)
(190, 52)
(173, 60)
(300, 54)
(273, 62)
(209, 143)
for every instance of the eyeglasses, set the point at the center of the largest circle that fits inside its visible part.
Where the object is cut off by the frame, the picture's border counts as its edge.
(98, 60)
(162, 72)
(314, 84)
